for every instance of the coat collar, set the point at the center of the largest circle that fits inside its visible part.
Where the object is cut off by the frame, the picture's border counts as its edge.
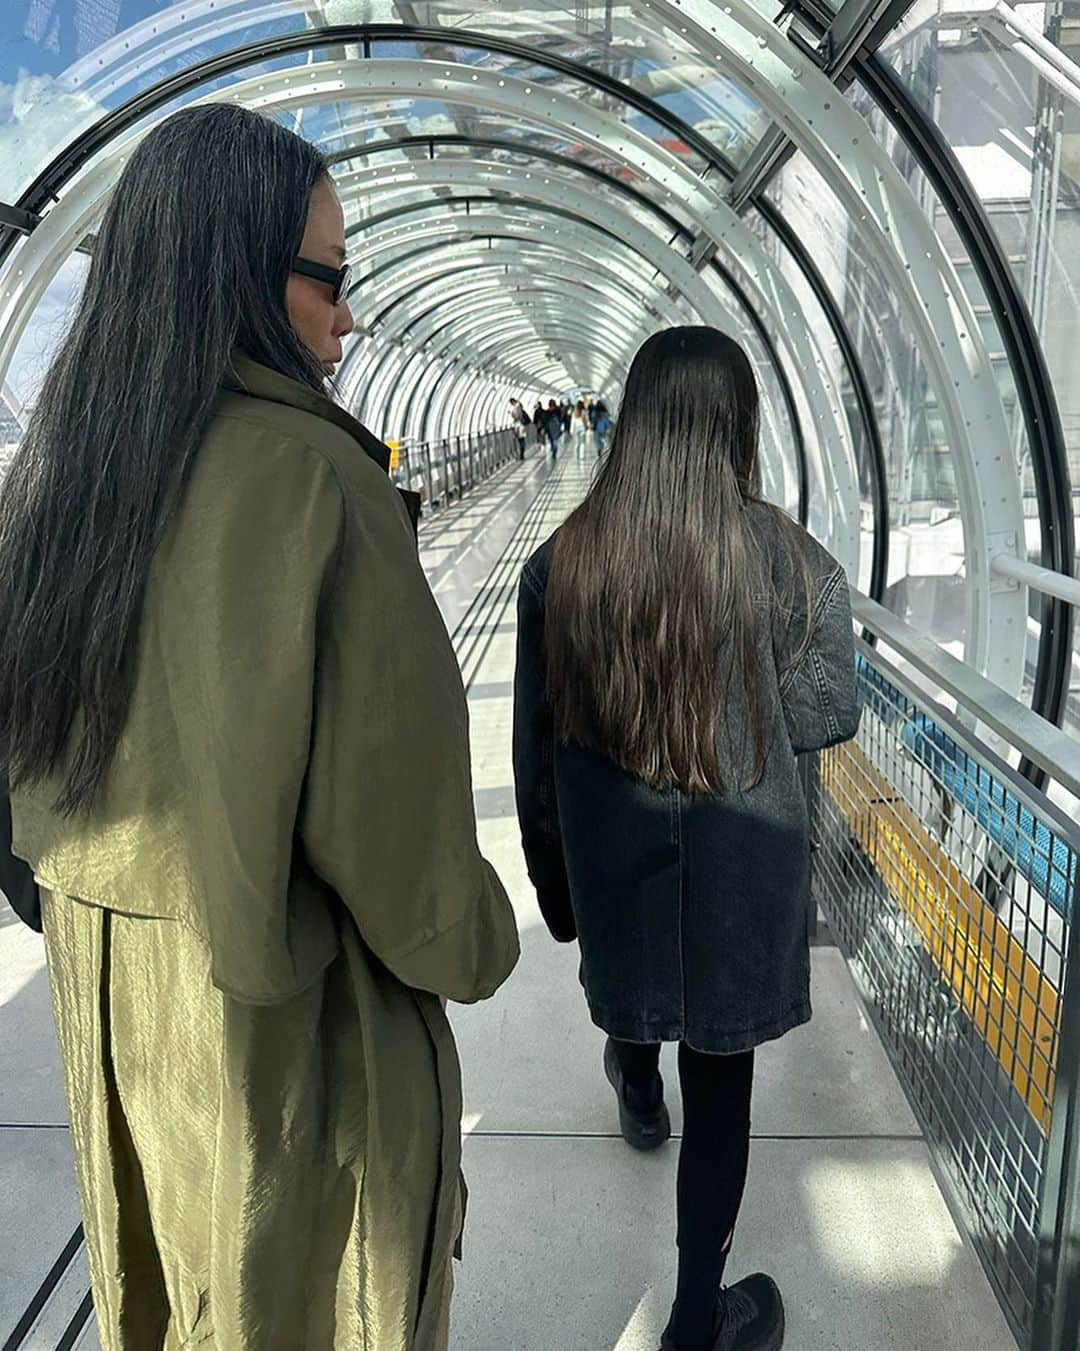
(260, 382)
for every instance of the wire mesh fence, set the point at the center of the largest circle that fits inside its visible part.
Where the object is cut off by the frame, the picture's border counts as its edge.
(949, 883)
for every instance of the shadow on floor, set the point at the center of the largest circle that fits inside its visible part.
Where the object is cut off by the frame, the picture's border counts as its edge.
(570, 1240)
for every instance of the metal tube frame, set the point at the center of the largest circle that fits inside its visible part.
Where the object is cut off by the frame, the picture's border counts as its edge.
(532, 185)
(825, 403)
(308, 92)
(729, 42)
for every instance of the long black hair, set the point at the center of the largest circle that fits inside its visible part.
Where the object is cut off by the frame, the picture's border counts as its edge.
(651, 594)
(191, 262)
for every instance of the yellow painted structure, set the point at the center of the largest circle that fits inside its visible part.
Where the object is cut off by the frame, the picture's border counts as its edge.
(1009, 1000)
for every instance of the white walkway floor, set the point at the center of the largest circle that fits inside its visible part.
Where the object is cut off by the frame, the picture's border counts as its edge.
(570, 1241)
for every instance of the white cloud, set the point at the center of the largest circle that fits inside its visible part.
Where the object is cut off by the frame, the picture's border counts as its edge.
(38, 117)
(360, 11)
(37, 20)
(46, 329)
(435, 124)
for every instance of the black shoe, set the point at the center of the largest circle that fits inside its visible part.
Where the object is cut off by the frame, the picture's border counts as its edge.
(647, 1129)
(749, 1317)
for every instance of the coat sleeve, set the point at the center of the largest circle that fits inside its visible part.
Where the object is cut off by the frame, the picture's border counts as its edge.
(387, 813)
(534, 768)
(818, 689)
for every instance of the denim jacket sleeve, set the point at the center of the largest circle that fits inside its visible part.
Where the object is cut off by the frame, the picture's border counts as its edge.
(818, 690)
(16, 877)
(534, 767)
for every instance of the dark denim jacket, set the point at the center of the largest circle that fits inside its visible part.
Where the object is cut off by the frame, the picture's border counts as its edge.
(691, 908)
(16, 877)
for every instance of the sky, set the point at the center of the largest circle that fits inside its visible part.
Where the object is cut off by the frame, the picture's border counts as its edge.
(44, 37)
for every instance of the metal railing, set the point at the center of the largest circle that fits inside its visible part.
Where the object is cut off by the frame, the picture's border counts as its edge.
(1044, 580)
(950, 883)
(441, 471)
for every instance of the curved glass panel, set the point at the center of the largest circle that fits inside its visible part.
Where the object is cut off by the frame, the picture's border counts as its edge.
(65, 63)
(630, 43)
(926, 578)
(365, 124)
(779, 462)
(1004, 89)
(414, 243)
(43, 336)
(508, 268)
(512, 166)
(447, 286)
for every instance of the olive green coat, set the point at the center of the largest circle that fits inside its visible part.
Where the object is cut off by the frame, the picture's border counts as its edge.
(249, 937)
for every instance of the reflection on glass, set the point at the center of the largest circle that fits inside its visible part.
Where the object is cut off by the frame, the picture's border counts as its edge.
(925, 579)
(64, 63)
(1004, 87)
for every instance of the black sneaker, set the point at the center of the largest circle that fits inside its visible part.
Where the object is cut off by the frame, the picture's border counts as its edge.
(749, 1317)
(642, 1128)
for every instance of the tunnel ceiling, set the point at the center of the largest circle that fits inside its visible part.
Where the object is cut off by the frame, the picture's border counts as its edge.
(531, 189)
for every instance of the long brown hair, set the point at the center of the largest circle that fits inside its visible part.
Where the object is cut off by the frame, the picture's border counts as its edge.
(650, 609)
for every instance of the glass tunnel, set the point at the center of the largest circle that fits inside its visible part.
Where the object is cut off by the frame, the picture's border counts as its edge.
(881, 202)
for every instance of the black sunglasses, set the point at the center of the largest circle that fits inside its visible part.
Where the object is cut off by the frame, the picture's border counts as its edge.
(337, 277)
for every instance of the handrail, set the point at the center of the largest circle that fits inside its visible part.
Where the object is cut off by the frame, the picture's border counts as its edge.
(949, 879)
(1040, 741)
(1046, 580)
(456, 463)
(408, 443)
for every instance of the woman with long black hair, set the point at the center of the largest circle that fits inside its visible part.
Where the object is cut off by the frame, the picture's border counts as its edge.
(679, 642)
(222, 678)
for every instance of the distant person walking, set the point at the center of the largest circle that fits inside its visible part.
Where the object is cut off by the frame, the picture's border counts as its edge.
(601, 425)
(519, 421)
(579, 427)
(553, 425)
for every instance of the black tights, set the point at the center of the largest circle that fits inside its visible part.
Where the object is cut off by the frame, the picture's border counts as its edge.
(713, 1161)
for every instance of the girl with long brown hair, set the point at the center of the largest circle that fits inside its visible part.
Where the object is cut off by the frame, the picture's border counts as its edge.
(680, 641)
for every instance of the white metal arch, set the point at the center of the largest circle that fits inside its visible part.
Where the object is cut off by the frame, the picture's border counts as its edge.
(520, 241)
(473, 336)
(410, 313)
(805, 357)
(482, 276)
(883, 210)
(471, 346)
(527, 311)
(937, 308)
(749, 43)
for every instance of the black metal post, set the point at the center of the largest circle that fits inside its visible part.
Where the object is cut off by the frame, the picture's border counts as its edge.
(1056, 1325)
(810, 778)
